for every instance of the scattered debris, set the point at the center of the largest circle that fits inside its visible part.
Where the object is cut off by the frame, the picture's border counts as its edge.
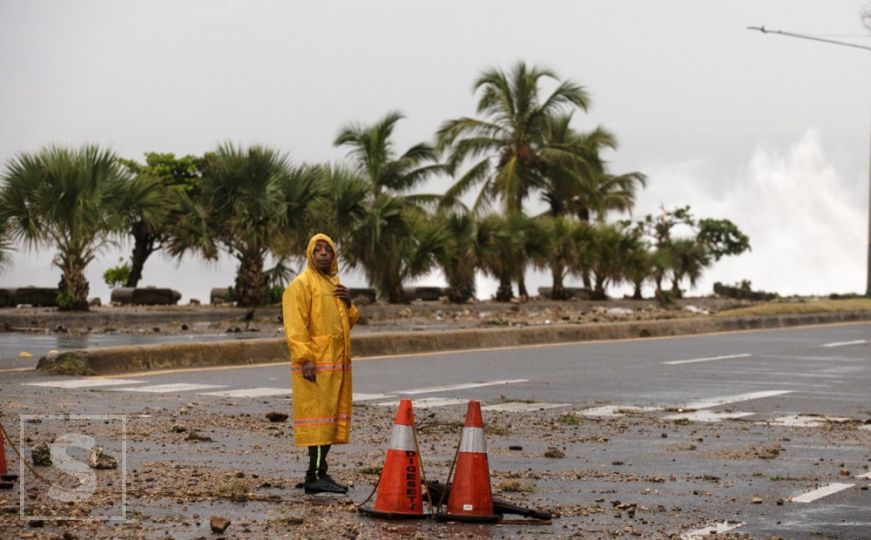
(101, 460)
(218, 524)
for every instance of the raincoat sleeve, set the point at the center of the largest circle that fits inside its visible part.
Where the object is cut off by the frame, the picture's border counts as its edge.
(296, 311)
(353, 316)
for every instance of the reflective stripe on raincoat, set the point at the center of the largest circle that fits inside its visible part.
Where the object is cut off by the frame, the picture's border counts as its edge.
(317, 326)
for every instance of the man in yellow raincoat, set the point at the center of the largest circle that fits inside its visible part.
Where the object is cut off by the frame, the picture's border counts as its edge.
(318, 316)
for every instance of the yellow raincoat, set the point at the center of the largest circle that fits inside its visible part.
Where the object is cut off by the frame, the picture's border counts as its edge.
(317, 326)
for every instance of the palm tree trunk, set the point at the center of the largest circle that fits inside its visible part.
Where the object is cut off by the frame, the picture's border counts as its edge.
(250, 281)
(504, 292)
(74, 289)
(599, 288)
(636, 295)
(396, 295)
(558, 290)
(585, 277)
(675, 288)
(521, 286)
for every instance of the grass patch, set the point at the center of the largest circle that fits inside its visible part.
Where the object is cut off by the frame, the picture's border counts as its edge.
(70, 364)
(569, 419)
(554, 453)
(810, 305)
(497, 429)
(235, 490)
(514, 486)
(788, 478)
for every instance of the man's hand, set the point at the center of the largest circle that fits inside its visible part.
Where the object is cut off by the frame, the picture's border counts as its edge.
(343, 293)
(308, 370)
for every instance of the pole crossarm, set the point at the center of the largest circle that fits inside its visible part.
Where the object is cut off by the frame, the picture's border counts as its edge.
(812, 38)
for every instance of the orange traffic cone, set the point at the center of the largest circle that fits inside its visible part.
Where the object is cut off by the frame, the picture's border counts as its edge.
(399, 488)
(4, 473)
(470, 497)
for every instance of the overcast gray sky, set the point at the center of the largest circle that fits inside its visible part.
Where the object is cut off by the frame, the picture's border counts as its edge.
(768, 131)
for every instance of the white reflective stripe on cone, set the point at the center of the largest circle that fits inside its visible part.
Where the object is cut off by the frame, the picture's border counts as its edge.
(473, 440)
(402, 438)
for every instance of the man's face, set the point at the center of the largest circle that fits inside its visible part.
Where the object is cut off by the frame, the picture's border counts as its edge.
(323, 256)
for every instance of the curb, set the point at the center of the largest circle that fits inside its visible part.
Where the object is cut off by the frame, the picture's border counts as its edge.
(139, 358)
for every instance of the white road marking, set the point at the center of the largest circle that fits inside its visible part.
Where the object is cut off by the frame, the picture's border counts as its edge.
(803, 420)
(716, 528)
(262, 391)
(846, 343)
(866, 427)
(866, 476)
(431, 389)
(707, 416)
(810, 358)
(821, 492)
(523, 407)
(166, 388)
(716, 402)
(83, 383)
(370, 397)
(708, 359)
(426, 403)
(614, 411)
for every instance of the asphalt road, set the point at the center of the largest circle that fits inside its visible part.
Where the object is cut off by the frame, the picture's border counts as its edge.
(765, 433)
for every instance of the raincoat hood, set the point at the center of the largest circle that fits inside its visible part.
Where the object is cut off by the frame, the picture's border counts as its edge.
(310, 257)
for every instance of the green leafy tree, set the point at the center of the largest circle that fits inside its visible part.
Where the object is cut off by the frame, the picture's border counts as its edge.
(686, 256)
(154, 203)
(117, 275)
(69, 199)
(721, 237)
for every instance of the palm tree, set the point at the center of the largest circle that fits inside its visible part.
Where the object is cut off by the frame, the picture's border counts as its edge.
(342, 204)
(561, 251)
(496, 246)
(373, 157)
(241, 207)
(391, 230)
(393, 242)
(459, 258)
(531, 244)
(612, 247)
(690, 259)
(304, 192)
(508, 145)
(67, 198)
(5, 246)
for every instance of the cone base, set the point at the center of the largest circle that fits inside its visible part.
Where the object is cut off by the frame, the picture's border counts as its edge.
(6, 485)
(389, 515)
(444, 516)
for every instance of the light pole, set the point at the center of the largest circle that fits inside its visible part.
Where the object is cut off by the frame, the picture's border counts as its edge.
(855, 46)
